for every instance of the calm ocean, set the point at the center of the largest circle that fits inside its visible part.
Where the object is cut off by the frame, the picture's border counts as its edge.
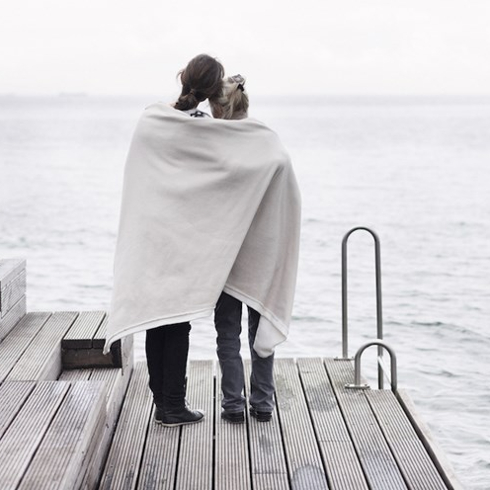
(416, 170)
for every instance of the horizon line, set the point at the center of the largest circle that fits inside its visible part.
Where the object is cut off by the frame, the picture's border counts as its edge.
(309, 96)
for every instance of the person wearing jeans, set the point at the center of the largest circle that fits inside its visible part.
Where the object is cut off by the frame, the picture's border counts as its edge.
(233, 104)
(228, 323)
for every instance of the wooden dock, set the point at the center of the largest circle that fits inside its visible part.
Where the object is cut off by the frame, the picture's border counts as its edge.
(71, 418)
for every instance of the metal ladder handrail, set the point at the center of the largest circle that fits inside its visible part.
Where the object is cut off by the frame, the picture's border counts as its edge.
(357, 365)
(379, 312)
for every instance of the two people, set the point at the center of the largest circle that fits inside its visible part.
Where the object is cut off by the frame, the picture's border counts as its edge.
(209, 221)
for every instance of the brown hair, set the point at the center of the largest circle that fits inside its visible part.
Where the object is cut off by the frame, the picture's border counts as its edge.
(233, 103)
(201, 80)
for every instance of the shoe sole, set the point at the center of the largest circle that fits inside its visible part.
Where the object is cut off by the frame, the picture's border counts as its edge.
(178, 424)
(261, 418)
(231, 421)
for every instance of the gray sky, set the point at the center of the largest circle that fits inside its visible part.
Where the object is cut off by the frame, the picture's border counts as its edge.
(287, 47)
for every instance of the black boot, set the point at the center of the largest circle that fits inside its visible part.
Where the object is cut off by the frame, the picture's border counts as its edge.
(177, 416)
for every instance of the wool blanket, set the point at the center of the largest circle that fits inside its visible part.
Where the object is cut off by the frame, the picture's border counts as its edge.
(208, 205)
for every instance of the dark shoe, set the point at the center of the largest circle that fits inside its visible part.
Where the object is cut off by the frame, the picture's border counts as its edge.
(233, 417)
(174, 418)
(260, 416)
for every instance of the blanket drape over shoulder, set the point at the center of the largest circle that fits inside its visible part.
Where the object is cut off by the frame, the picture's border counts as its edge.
(208, 206)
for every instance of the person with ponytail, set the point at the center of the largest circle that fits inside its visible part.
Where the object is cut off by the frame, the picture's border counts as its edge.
(201, 79)
(167, 346)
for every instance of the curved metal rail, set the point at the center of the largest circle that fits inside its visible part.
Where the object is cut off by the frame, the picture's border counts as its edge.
(357, 365)
(379, 306)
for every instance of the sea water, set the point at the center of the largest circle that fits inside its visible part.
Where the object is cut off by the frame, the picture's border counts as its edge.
(415, 170)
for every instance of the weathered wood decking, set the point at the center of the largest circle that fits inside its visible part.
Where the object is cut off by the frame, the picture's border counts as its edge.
(91, 426)
(321, 436)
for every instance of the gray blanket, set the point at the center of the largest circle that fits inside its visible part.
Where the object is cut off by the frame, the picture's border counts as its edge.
(208, 206)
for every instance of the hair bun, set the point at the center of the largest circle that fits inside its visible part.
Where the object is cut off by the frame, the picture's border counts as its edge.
(201, 79)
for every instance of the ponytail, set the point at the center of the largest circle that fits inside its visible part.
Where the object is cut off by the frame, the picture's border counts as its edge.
(201, 80)
(186, 102)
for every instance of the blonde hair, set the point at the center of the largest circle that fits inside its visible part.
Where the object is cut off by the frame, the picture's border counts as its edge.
(233, 103)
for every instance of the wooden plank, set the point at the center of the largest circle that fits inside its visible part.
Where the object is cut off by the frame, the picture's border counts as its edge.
(343, 468)
(24, 435)
(76, 375)
(127, 354)
(64, 453)
(438, 457)
(12, 292)
(107, 375)
(412, 458)
(302, 452)
(16, 343)
(83, 330)
(12, 397)
(195, 468)
(10, 268)
(32, 366)
(82, 346)
(379, 466)
(267, 456)
(100, 335)
(232, 462)
(12, 318)
(123, 463)
(117, 382)
(160, 457)
(90, 473)
(85, 358)
(120, 355)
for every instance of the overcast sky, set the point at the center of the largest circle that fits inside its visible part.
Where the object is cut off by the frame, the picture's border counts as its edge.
(283, 47)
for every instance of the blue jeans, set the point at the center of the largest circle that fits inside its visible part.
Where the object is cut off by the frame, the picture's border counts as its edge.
(228, 323)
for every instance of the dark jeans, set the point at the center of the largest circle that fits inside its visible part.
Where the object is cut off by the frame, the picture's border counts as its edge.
(228, 322)
(167, 348)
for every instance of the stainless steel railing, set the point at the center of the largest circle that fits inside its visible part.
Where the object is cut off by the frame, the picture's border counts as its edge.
(379, 315)
(357, 365)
